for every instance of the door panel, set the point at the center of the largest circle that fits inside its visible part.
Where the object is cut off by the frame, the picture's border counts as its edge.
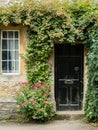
(68, 76)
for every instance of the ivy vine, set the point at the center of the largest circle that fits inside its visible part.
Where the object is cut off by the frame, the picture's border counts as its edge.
(54, 22)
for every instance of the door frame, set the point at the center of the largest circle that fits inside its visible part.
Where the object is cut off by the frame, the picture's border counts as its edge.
(84, 52)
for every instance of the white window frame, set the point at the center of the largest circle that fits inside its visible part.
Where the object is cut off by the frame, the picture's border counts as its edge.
(1, 51)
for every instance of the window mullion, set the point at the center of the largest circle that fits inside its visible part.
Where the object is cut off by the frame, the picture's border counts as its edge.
(7, 53)
(14, 49)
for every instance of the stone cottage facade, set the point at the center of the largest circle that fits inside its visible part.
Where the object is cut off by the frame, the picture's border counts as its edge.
(12, 68)
(12, 45)
(13, 40)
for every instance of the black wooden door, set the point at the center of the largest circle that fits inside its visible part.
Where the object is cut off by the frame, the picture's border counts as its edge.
(68, 76)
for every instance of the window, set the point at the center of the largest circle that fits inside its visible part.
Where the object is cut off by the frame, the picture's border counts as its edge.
(10, 52)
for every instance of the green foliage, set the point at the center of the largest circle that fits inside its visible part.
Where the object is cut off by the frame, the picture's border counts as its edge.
(91, 107)
(39, 72)
(34, 102)
(55, 22)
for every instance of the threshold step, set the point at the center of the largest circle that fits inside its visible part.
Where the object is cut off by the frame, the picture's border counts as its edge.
(69, 115)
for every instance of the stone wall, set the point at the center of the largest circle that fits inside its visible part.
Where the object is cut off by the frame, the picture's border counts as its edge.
(8, 109)
(8, 105)
(7, 2)
(2, 2)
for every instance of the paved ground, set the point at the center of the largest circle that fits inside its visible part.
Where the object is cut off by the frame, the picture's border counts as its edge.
(54, 125)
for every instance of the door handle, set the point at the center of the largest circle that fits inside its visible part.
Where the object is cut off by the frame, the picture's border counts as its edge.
(68, 81)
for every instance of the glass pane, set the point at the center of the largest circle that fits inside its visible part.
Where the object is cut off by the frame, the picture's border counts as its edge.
(11, 44)
(16, 44)
(10, 34)
(16, 55)
(11, 66)
(4, 55)
(4, 34)
(16, 34)
(17, 66)
(4, 44)
(11, 55)
(4, 66)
